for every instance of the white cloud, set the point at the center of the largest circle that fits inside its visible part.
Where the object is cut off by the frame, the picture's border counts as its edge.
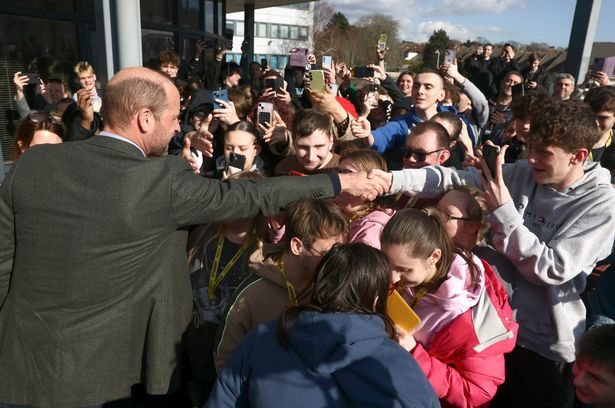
(355, 9)
(465, 7)
(422, 31)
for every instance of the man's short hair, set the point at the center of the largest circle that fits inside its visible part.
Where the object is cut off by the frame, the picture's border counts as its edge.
(311, 219)
(511, 73)
(124, 98)
(229, 69)
(443, 139)
(566, 76)
(570, 125)
(83, 67)
(532, 57)
(597, 346)
(527, 106)
(430, 71)
(169, 57)
(454, 120)
(309, 121)
(601, 98)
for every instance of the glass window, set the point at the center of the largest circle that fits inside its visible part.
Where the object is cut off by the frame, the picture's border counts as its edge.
(261, 30)
(209, 16)
(303, 33)
(294, 32)
(48, 47)
(283, 31)
(158, 11)
(239, 28)
(273, 30)
(55, 5)
(230, 24)
(189, 12)
(155, 41)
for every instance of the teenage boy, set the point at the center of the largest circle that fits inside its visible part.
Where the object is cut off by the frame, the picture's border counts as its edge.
(86, 77)
(552, 217)
(601, 100)
(282, 276)
(312, 144)
(594, 370)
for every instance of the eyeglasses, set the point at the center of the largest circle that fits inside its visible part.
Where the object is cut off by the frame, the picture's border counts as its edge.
(319, 253)
(41, 116)
(419, 155)
(452, 217)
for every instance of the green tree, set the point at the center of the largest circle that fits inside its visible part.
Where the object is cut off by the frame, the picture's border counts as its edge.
(339, 21)
(438, 41)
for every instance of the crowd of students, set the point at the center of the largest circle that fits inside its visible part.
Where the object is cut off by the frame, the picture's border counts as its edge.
(492, 253)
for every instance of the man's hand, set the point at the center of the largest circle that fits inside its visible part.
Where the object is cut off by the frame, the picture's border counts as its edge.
(283, 95)
(360, 185)
(199, 46)
(379, 73)
(226, 114)
(361, 128)
(84, 101)
(497, 117)
(496, 192)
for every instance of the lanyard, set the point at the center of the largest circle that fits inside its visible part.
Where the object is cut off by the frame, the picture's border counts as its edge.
(421, 292)
(607, 144)
(292, 295)
(214, 279)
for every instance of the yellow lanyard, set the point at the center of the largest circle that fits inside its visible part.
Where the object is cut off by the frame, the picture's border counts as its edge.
(421, 292)
(607, 144)
(292, 295)
(214, 279)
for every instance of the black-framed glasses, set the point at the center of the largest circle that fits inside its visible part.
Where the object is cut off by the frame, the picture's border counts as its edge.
(419, 155)
(319, 253)
(42, 116)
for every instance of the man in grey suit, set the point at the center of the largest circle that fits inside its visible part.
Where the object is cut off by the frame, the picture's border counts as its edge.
(94, 285)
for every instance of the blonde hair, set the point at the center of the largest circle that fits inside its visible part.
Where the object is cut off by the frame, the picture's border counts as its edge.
(83, 67)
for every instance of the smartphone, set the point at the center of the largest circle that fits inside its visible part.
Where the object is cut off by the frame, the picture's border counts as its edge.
(220, 94)
(235, 163)
(33, 78)
(265, 113)
(363, 72)
(449, 56)
(327, 61)
(275, 84)
(490, 154)
(298, 57)
(317, 81)
(382, 42)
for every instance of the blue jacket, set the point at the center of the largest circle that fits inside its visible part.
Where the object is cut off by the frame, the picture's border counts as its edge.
(394, 133)
(332, 360)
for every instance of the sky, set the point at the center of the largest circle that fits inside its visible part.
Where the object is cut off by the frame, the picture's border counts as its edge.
(524, 21)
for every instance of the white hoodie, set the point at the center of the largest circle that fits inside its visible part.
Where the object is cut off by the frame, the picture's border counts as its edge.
(554, 239)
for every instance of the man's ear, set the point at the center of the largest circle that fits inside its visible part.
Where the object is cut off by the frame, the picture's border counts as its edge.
(579, 156)
(441, 95)
(296, 246)
(145, 120)
(444, 156)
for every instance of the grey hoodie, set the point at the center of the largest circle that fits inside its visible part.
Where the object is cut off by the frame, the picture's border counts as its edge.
(554, 239)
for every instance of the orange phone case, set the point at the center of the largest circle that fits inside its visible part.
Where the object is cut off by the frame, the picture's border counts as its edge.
(401, 314)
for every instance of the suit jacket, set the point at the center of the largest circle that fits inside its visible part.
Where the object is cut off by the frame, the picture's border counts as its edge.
(94, 285)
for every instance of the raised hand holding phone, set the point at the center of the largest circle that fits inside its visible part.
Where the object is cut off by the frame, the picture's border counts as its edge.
(496, 192)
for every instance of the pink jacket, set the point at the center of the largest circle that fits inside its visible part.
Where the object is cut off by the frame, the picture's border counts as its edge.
(368, 229)
(464, 360)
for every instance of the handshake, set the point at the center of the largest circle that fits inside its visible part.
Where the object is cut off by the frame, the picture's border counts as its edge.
(368, 186)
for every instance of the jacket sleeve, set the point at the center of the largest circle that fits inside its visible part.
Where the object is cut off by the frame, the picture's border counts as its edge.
(7, 233)
(231, 388)
(237, 324)
(480, 105)
(23, 109)
(391, 135)
(576, 247)
(471, 382)
(392, 88)
(433, 180)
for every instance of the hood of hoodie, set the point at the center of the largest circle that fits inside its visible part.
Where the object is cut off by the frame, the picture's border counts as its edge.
(200, 98)
(327, 342)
